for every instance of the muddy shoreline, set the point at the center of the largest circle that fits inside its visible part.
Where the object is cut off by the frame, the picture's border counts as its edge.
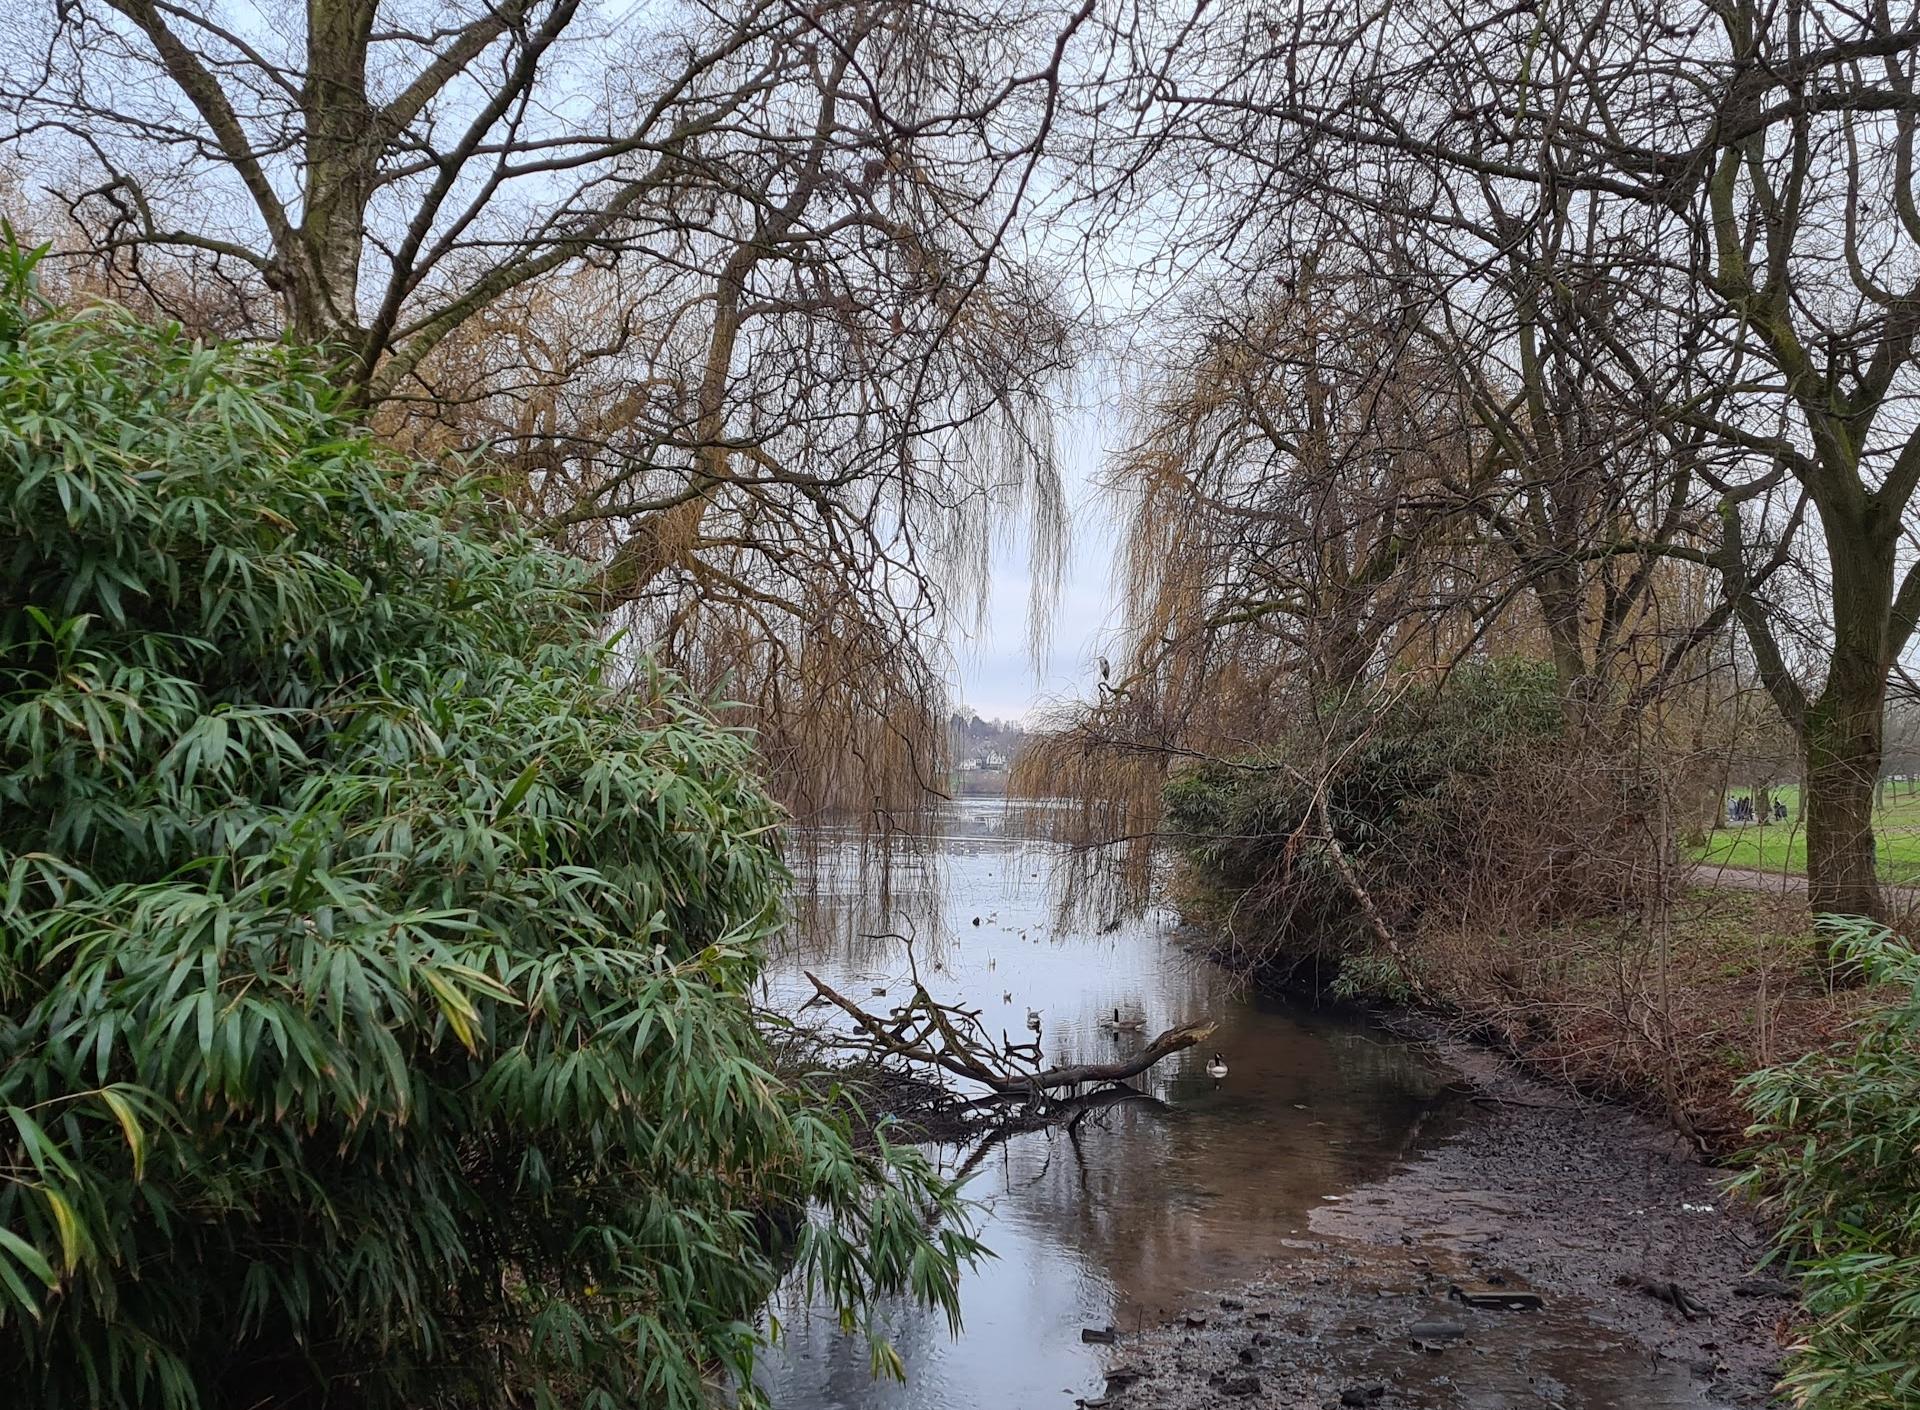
(1330, 1189)
(1584, 1203)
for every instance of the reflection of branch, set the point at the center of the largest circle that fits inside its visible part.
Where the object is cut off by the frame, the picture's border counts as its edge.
(1070, 1112)
(950, 1038)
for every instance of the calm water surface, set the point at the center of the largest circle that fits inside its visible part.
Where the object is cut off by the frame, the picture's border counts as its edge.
(1149, 1205)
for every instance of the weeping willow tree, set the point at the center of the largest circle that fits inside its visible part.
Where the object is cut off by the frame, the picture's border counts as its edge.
(729, 294)
(794, 496)
(1339, 489)
(375, 938)
(1280, 497)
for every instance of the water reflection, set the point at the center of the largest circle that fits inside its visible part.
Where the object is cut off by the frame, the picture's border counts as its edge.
(1145, 1204)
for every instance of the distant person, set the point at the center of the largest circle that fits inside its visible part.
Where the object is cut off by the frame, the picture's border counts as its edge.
(1779, 811)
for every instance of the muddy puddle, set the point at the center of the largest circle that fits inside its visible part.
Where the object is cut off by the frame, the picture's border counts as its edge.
(1275, 1187)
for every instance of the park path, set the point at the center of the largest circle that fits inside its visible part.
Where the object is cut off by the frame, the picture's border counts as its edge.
(1776, 883)
(1727, 878)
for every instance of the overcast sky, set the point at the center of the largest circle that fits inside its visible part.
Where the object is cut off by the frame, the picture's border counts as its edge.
(995, 672)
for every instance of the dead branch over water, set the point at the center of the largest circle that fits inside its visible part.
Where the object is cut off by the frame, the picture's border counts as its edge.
(952, 1038)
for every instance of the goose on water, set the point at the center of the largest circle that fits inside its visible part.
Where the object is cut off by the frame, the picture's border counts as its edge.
(1216, 1067)
(1117, 1024)
(1033, 1019)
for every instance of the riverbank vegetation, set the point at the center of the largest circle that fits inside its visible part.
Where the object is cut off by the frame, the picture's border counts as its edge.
(1836, 1137)
(375, 934)
(1457, 853)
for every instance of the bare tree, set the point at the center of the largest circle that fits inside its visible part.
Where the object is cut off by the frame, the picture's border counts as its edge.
(1278, 493)
(1747, 170)
(728, 289)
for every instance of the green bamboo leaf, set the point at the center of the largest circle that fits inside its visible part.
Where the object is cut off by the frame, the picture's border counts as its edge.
(518, 791)
(28, 1257)
(123, 1112)
(15, 1250)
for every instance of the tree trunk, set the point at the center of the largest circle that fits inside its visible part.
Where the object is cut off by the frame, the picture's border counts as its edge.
(1842, 730)
(1843, 766)
(1559, 597)
(341, 148)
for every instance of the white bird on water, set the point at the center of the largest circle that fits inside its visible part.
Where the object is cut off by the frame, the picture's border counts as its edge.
(1216, 1067)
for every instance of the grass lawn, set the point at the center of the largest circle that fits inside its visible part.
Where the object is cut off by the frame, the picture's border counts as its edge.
(1782, 846)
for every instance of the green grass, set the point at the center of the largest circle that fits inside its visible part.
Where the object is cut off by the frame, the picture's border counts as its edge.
(1782, 846)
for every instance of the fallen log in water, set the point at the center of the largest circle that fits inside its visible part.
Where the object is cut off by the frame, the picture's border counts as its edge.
(952, 1039)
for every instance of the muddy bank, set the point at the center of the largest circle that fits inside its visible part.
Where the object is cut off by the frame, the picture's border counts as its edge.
(1535, 1191)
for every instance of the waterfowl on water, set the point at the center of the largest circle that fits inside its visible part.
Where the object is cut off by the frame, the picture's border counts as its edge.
(1117, 1024)
(1216, 1067)
(1033, 1019)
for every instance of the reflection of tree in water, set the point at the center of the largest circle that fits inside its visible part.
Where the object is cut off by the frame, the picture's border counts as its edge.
(854, 892)
(1098, 887)
(1097, 876)
(853, 882)
(1139, 1203)
(841, 1369)
(855, 887)
(1170, 1200)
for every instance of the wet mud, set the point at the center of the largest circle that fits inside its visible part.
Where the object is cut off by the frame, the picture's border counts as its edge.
(1535, 1191)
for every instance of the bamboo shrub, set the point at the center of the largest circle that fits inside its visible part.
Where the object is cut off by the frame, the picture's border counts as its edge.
(375, 938)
